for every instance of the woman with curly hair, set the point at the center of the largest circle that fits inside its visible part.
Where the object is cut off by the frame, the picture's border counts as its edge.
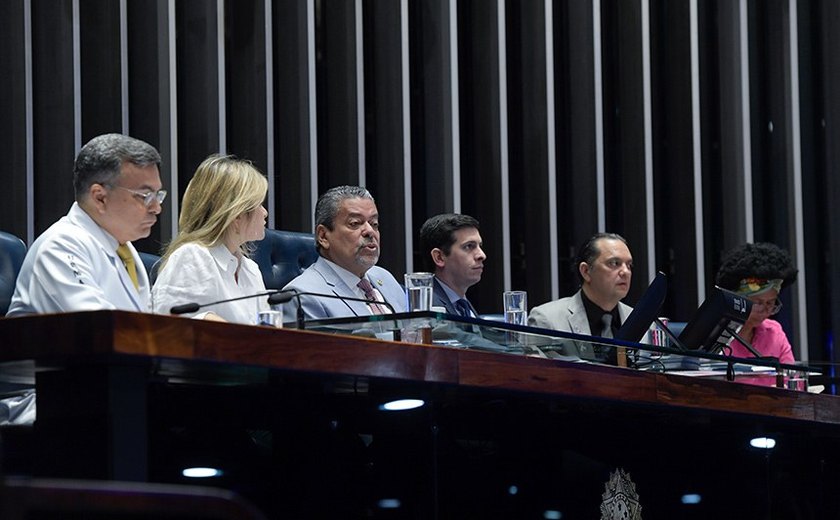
(759, 272)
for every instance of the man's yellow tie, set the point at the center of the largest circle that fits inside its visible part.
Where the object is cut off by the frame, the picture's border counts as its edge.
(128, 260)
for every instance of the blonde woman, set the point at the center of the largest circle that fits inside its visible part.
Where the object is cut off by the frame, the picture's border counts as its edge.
(208, 261)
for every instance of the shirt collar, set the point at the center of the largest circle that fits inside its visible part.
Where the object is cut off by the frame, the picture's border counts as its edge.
(79, 215)
(594, 313)
(453, 297)
(348, 278)
(227, 261)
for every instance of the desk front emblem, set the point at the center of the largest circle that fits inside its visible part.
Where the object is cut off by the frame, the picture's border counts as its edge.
(620, 500)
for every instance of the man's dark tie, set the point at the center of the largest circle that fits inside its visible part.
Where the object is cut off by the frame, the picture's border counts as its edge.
(370, 294)
(606, 332)
(606, 326)
(464, 307)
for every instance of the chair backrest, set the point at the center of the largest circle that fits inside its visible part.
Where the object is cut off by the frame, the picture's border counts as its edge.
(12, 251)
(54, 499)
(150, 263)
(282, 255)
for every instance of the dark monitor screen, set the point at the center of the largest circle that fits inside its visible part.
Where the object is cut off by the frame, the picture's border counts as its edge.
(707, 330)
(645, 311)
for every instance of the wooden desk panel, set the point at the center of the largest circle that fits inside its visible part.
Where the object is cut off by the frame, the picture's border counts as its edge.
(130, 396)
(62, 338)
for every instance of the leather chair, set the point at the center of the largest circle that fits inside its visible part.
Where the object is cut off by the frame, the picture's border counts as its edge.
(150, 263)
(282, 255)
(12, 251)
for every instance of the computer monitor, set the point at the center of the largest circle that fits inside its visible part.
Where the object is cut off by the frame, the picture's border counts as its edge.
(709, 329)
(645, 311)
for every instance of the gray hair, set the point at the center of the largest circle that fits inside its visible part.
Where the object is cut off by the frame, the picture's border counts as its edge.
(328, 204)
(101, 159)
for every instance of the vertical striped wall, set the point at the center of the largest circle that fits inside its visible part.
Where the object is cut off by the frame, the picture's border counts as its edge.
(688, 126)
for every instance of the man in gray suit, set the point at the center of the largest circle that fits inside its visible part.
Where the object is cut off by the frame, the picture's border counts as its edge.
(347, 240)
(453, 244)
(605, 269)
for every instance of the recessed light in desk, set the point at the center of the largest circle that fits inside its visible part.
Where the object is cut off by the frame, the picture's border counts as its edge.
(402, 404)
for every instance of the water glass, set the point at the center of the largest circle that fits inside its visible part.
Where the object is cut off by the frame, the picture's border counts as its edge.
(796, 379)
(515, 304)
(418, 291)
(270, 318)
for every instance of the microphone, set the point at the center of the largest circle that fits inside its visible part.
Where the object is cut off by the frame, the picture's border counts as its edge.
(285, 296)
(185, 308)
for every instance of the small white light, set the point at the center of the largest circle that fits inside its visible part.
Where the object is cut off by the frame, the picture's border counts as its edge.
(200, 472)
(389, 503)
(402, 404)
(691, 498)
(550, 514)
(764, 443)
(512, 490)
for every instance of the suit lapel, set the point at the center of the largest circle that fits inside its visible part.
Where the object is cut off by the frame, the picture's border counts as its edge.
(578, 322)
(442, 298)
(339, 288)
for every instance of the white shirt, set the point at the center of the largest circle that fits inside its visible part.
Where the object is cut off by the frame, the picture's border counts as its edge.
(194, 273)
(73, 266)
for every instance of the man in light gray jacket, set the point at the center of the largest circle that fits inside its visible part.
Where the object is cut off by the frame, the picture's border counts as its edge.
(347, 240)
(605, 269)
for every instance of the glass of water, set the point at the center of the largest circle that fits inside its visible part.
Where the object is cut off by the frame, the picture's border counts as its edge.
(270, 318)
(418, 290)
(515, 304)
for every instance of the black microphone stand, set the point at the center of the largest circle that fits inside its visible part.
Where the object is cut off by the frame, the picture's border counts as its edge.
(185, 308)
(285, 296)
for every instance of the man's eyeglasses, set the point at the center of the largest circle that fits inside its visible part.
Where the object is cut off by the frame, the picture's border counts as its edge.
(772, 306)
(147, 197)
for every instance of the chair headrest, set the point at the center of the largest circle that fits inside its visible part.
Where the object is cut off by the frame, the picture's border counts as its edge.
(283, 255)
(150, 263)
(12, 252)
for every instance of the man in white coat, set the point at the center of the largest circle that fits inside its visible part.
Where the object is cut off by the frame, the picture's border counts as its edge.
(85, 261)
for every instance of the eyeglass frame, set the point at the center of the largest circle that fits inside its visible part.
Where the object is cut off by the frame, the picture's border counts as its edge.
(777, 305)
(148, 197)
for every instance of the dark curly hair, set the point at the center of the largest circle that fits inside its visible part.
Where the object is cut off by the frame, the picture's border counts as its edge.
(759, 260)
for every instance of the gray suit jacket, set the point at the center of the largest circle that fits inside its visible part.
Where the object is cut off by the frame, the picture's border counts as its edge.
(569, 315)
(320, 277)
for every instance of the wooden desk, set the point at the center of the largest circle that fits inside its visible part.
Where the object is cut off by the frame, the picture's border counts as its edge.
(111, 383)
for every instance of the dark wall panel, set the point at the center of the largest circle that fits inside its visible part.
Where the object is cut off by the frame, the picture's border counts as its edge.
(245, 81)
(385, 127)
(481, 190)
(673, 156)
(198, 85)
(149, 100)
(292, 124)
(13, 116)
(338, 135)
(54, 113)
(99, 35)
(624, 154)
(528, 130)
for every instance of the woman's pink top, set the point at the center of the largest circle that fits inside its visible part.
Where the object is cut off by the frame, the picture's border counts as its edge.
(769, 339)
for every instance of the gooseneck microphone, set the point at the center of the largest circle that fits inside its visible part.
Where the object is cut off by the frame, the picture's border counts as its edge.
(285, 296)
(185, 308)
